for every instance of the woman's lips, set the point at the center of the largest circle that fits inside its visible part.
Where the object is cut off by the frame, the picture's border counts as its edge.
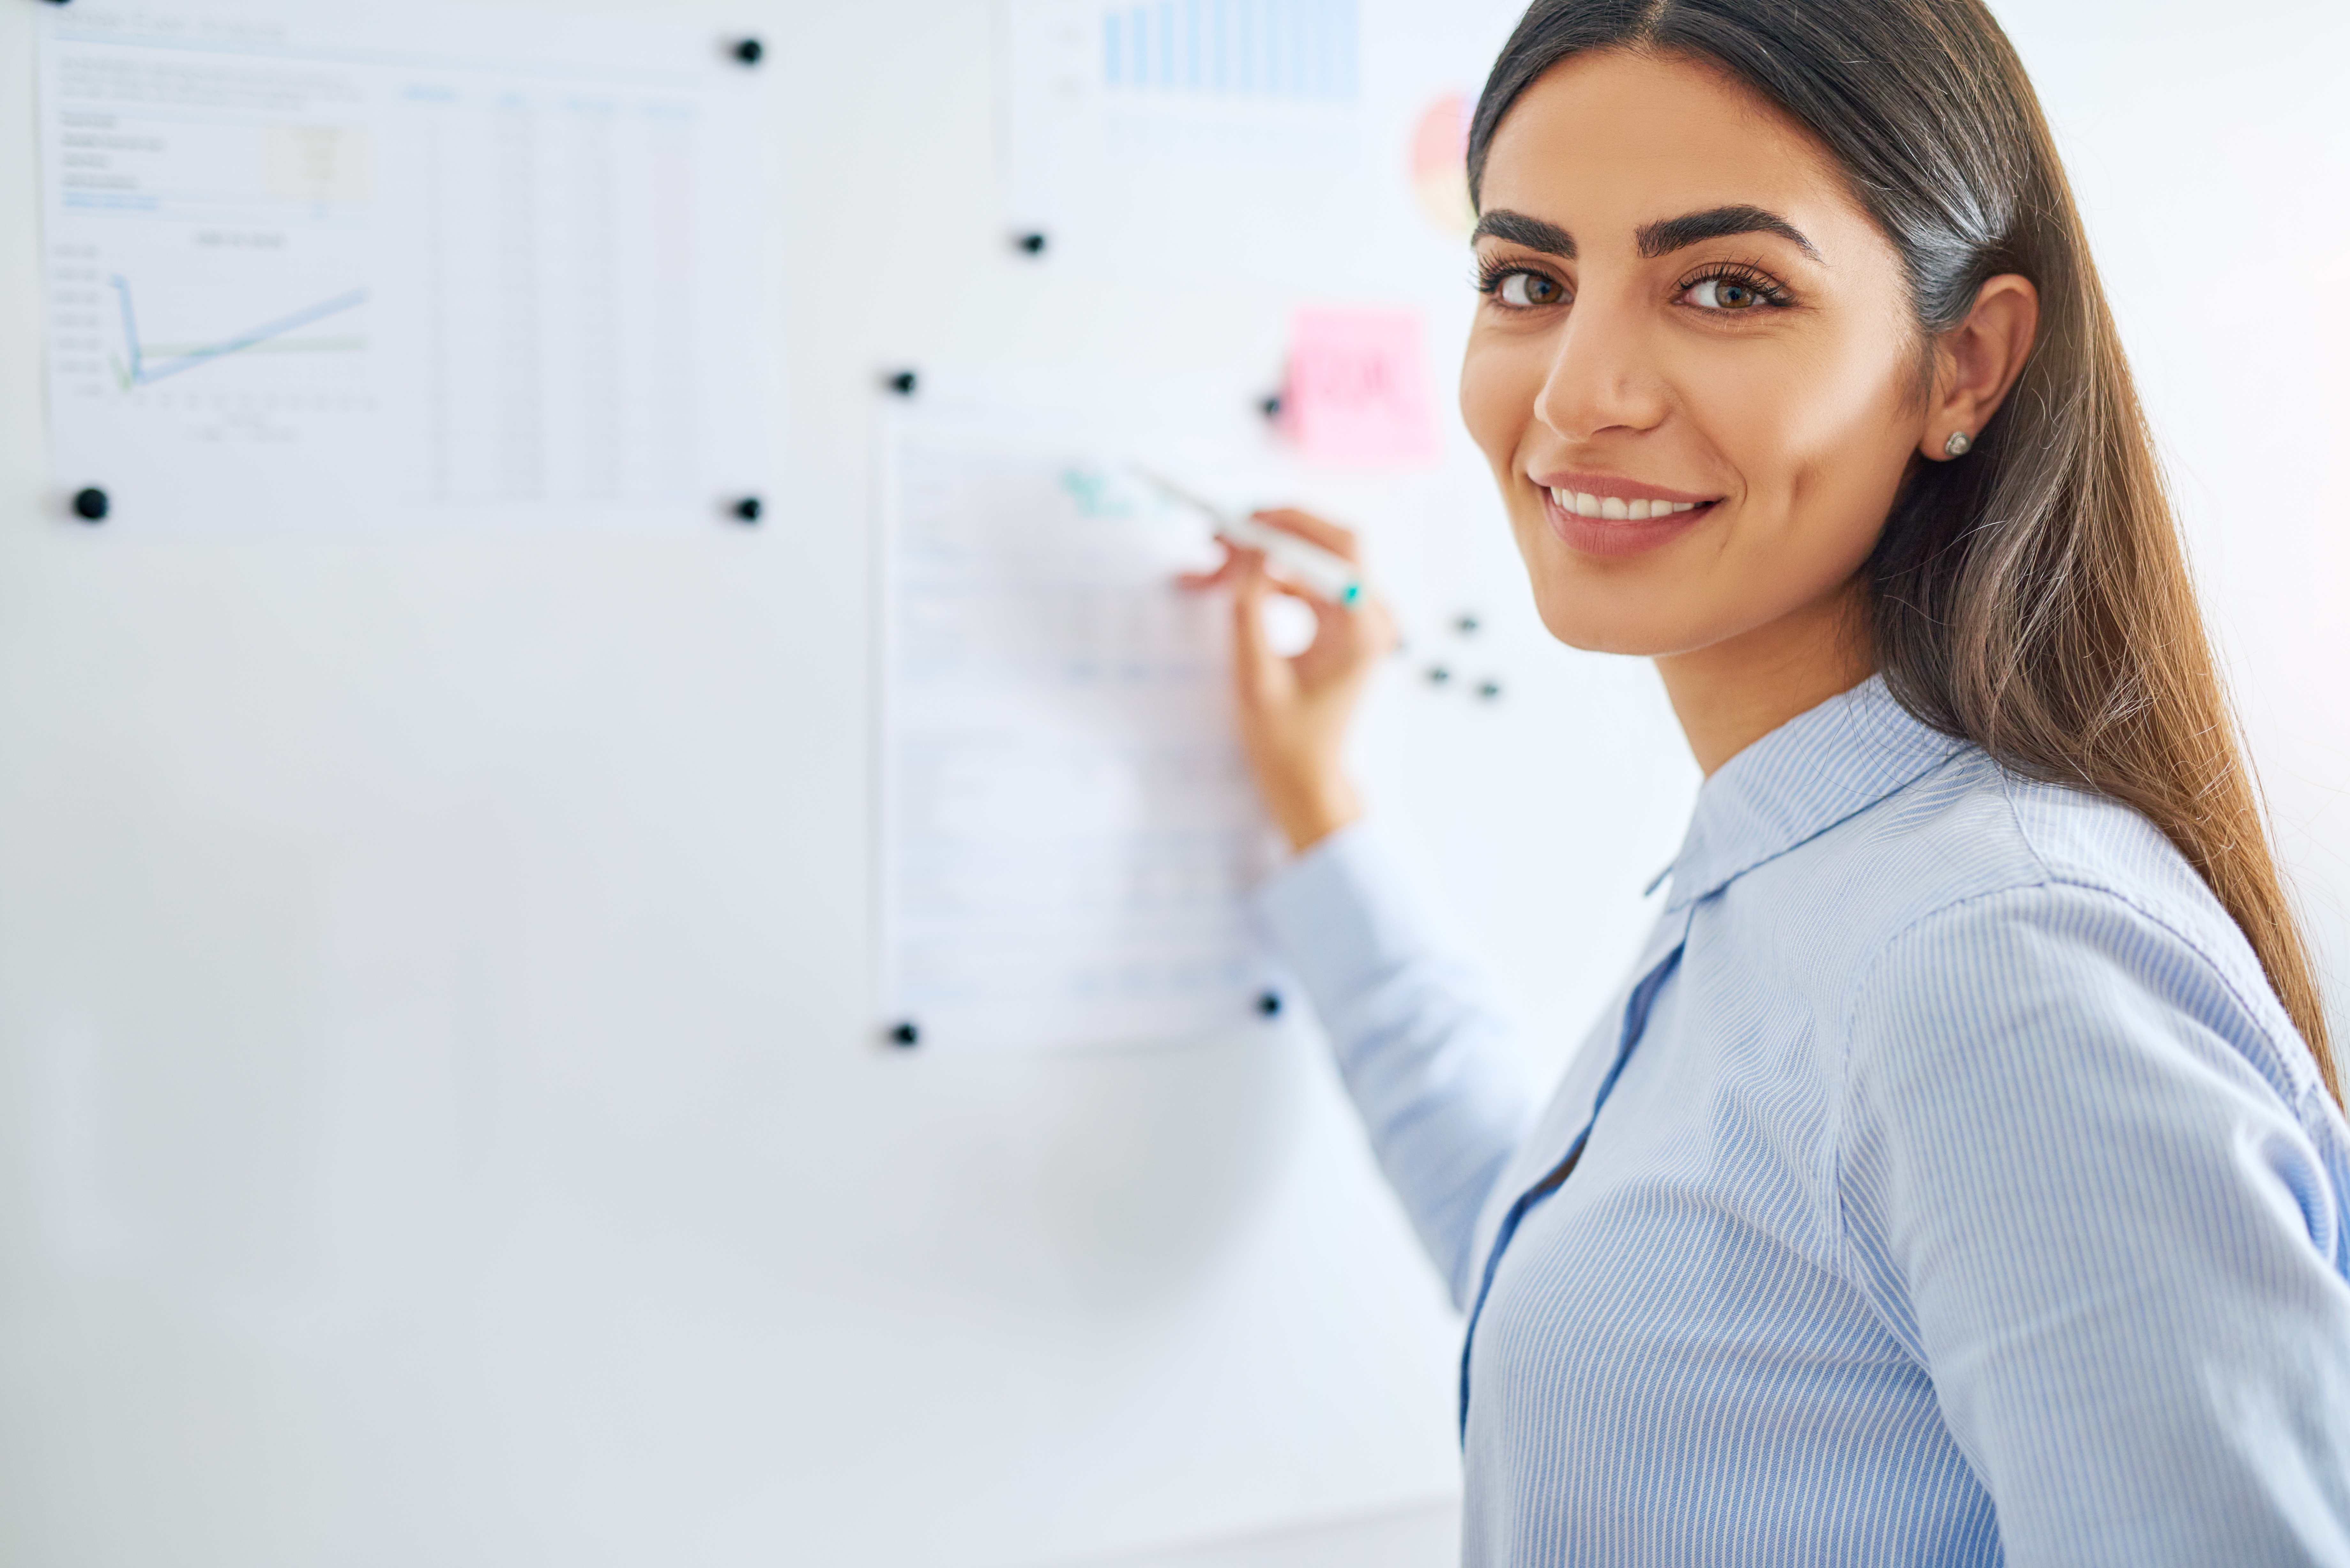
(1616, 532)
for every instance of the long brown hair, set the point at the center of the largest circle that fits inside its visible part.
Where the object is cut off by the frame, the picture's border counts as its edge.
(2032, 597)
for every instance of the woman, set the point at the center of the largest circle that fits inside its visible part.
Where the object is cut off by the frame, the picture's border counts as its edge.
(1959, 1177)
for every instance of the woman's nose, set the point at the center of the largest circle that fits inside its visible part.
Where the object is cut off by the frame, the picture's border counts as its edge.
(1603, 373)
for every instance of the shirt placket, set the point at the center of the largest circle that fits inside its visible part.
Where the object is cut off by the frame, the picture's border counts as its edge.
(1673, 937)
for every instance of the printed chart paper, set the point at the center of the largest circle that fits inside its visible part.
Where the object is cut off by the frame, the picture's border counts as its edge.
(1186, 137)
(1310, 143)
(1068, 828)
(401, 268)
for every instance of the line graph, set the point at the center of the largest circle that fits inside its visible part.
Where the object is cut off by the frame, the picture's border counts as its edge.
(138, 372)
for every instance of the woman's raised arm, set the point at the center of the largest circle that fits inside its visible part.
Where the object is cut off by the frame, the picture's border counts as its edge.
(1417, 1044)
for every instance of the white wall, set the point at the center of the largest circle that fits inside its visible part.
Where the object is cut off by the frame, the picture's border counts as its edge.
(437, 1115)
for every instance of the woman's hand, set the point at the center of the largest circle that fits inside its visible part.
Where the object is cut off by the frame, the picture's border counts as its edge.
(1294, 711)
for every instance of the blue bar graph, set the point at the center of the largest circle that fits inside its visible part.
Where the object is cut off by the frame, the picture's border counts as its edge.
(1271, 51)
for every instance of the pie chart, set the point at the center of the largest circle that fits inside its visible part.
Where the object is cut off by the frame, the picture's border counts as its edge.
(1440, 164)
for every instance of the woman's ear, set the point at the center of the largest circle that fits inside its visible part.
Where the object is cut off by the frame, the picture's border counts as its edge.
(1976, 363)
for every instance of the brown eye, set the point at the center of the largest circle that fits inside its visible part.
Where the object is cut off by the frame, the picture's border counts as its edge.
(1528, 288)
(1723, 293)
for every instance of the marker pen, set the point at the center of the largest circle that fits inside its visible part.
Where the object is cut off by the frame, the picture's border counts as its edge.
(1322, 573)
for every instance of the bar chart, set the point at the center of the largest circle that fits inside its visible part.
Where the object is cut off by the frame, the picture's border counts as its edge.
(1294, 51)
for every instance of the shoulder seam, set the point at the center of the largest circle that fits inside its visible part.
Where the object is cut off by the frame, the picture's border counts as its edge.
(2047, 877)
(2297, 1069)
(2290, 1060)
(2099, 889)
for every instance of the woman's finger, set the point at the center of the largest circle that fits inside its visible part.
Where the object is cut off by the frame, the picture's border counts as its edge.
(1306, 596)
(1315, 602)
(1254, 663)
(1340, 542)
(1365, 610)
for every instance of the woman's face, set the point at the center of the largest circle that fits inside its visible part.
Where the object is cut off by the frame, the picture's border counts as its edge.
(1690, 330)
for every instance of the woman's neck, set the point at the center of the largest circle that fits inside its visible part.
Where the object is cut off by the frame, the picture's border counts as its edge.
(1731, 694)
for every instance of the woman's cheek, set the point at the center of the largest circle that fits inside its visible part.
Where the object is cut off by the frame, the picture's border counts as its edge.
(1751, 408)
(1499, 381)
(1837, 447)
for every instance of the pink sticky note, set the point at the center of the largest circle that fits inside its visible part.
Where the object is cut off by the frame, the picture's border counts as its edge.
(1356, 394)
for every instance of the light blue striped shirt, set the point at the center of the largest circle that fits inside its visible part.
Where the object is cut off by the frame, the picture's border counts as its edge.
(1948, 1187)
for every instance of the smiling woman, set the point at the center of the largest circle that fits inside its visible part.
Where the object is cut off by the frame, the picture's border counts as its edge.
(1958, 1176)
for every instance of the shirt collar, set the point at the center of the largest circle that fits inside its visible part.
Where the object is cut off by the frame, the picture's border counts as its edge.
(1800, 779)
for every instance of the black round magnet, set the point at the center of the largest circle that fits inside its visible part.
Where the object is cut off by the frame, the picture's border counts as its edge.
(91, 505)
(903, 384)
(1269, 1003)
(1030, 244)
(750, 51)
(905, 1035)
(747, 510)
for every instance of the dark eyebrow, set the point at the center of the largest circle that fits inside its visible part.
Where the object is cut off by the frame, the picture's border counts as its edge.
(1519, 230)
(1670, 234)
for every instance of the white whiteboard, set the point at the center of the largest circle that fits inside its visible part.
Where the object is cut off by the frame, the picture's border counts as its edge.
(439, 1115)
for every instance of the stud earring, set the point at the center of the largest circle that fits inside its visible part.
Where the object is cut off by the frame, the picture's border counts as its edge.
(1959, 445)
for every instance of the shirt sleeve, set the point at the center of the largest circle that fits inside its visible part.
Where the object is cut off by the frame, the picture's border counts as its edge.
(1418, 1047)
(2083, 1181)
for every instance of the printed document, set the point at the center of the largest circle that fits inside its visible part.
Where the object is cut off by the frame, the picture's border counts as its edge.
(1068, 828)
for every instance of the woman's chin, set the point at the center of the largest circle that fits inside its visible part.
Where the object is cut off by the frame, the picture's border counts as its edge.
(1604, 627)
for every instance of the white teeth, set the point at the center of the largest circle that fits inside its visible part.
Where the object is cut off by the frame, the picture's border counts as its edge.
(1583, 503)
